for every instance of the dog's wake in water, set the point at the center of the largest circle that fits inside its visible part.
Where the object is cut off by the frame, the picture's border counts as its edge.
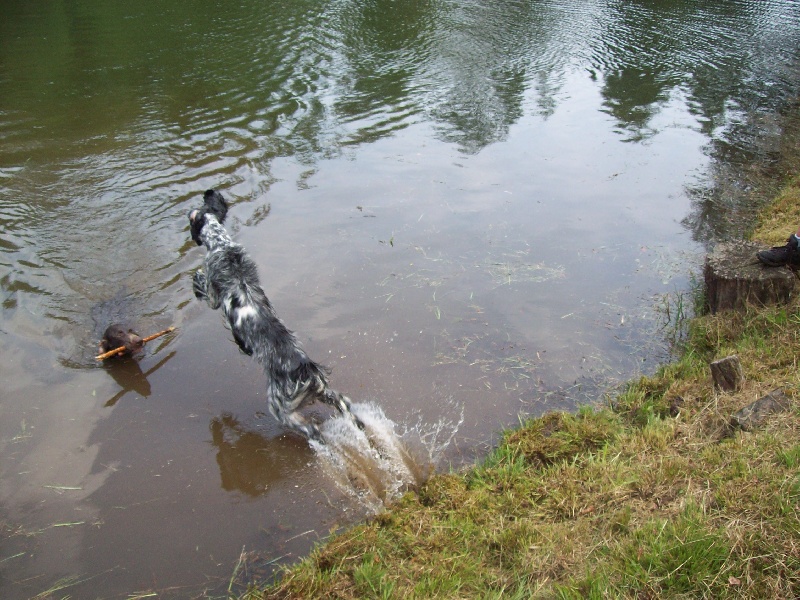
(378, 464)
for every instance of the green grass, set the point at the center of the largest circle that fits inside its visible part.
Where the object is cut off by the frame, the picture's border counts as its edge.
(582, 506)
(650, 496)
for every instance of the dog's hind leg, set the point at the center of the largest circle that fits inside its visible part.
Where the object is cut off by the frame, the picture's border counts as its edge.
(341, 403)
(293, 419)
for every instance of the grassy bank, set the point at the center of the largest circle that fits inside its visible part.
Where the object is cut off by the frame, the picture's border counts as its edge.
(654, 496)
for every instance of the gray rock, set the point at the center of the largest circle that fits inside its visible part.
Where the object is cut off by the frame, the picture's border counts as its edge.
(753, 415)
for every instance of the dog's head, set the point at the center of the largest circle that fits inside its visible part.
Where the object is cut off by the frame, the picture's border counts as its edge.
(117, 335)
(213, 204)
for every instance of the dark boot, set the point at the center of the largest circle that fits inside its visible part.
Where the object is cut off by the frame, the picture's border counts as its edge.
(779, 256)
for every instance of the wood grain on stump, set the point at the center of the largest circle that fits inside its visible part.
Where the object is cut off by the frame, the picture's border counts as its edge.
(734, 277)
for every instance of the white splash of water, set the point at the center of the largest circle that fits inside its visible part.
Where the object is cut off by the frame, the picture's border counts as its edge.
(377, 465)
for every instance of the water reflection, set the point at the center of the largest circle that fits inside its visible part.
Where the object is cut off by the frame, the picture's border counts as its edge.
(304, 81)
(128, 374)
(747, 170)
(250, 461)
(633, 97)
(86, 108)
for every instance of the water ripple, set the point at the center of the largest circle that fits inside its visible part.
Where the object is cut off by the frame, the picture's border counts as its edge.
(127, 135)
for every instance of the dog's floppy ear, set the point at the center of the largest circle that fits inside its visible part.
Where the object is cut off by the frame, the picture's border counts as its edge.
(197, 219)
(216, 204)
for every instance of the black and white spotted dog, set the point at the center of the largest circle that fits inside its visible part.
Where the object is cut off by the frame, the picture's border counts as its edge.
(230, 280)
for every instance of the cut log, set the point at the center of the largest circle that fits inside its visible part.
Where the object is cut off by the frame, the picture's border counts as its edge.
(734, 277)
(752, 415)
(727, 373)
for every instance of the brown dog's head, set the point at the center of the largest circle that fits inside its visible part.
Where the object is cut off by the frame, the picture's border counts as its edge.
(116, 335)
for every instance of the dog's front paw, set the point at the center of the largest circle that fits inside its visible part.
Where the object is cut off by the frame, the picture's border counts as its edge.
(199, 285)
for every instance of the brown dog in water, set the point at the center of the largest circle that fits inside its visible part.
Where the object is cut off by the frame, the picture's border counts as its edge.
(116, 335)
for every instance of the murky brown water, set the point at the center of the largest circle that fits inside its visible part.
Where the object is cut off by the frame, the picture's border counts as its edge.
(469, 211)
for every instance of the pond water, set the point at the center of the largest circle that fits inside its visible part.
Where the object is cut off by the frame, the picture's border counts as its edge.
(469, 211)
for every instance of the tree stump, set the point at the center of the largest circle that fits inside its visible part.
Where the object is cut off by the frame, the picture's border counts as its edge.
(753, 415)
(727, 373)
(735, 277)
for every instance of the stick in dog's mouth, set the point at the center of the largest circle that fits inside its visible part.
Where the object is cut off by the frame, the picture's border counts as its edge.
(124, 348)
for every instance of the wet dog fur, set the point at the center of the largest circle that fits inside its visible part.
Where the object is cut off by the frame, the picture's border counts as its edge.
(229, 280)
(117, 335)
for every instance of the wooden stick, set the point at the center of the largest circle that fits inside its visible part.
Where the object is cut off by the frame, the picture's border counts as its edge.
(121, 349)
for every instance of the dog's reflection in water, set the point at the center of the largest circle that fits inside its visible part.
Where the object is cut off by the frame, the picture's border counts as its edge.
(128, 374)
(373, 465)
(249, 461)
